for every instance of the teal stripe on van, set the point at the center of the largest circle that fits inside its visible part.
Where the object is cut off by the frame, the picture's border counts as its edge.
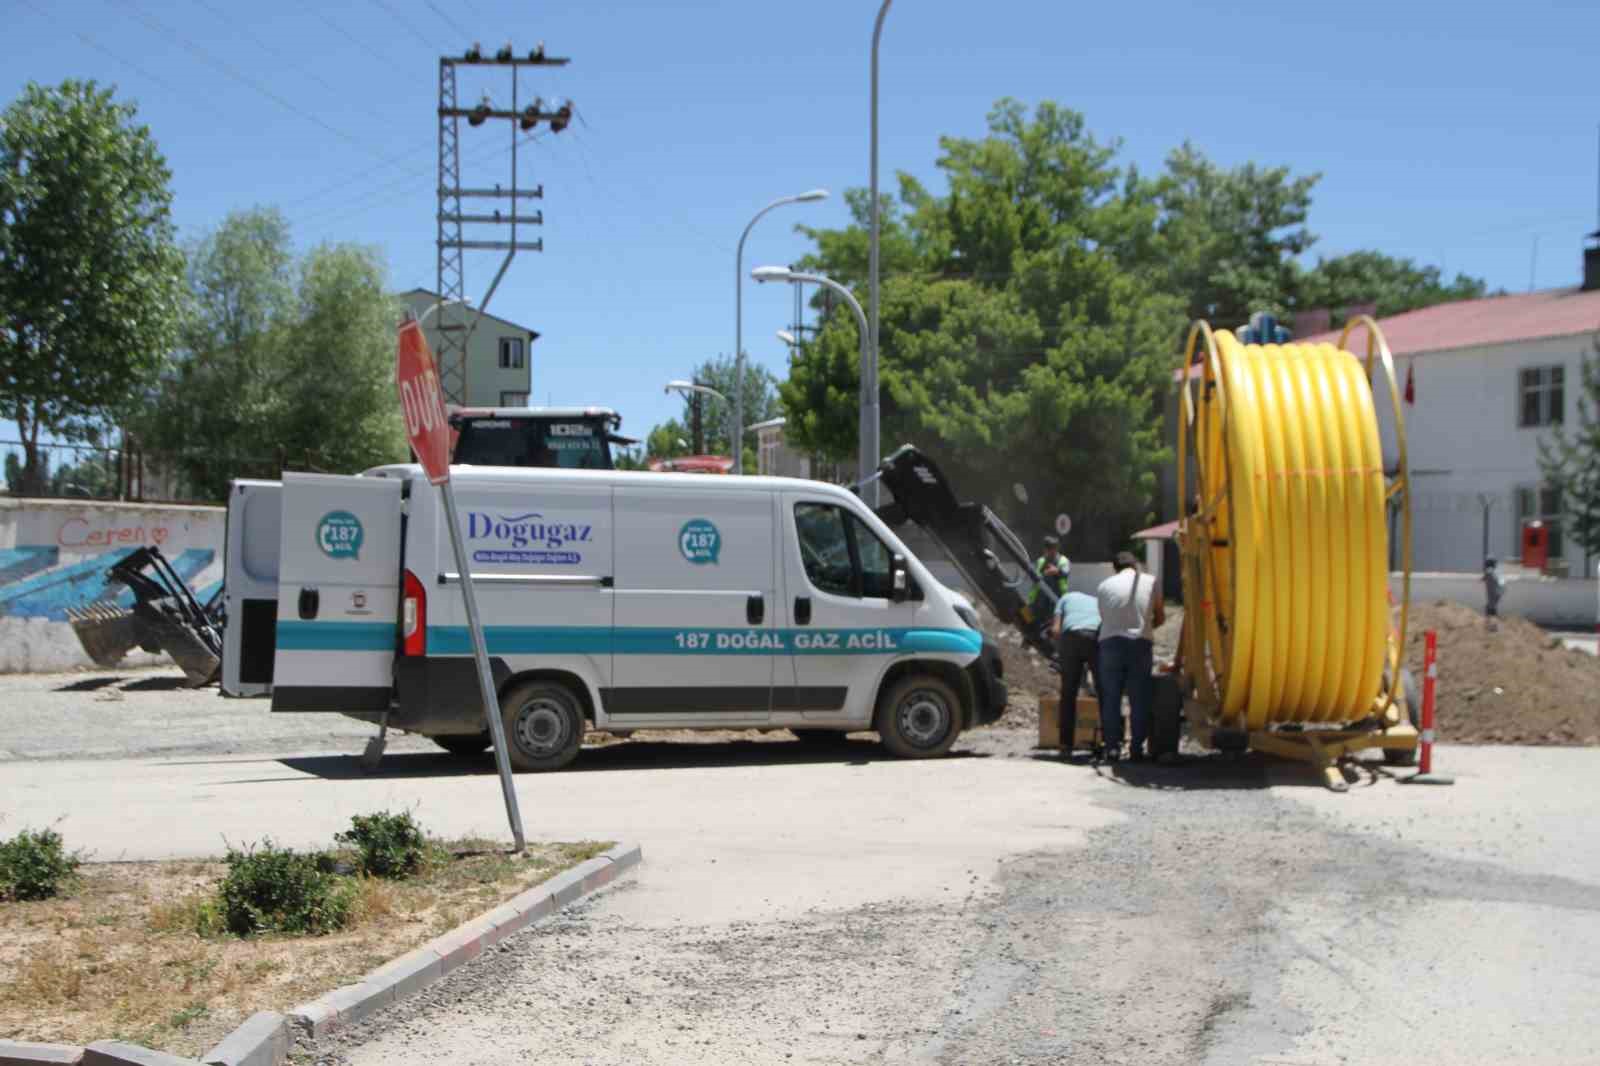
(335, 636)
(634, 640)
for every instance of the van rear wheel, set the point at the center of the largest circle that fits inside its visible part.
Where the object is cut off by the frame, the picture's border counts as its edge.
(919, 717)
(544, 725)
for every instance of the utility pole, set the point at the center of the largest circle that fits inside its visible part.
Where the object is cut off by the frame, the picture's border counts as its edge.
(453, 242)
(697, 431)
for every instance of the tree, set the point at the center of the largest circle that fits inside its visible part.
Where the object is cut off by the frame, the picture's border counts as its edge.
(91, 281)
(1021, 339)
(760, 404)
(1395, 285)
(1570, 463)
(667, 441)
(283, 363)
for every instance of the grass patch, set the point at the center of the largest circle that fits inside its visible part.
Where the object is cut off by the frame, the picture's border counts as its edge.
(142, 952)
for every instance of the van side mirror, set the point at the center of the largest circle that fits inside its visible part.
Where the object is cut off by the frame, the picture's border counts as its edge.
(900, 581)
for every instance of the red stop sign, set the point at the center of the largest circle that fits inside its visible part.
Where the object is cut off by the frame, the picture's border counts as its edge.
(422, 403)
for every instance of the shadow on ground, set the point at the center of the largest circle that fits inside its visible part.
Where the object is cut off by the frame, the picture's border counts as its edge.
(626, 755)
(1217, 772)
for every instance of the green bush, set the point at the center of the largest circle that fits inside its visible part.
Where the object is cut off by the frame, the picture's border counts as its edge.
(390, 844)
(35, 865)
(278, 890)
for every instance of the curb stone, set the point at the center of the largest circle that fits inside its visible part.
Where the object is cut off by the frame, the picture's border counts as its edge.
(263, 1040)
(117, 1053)
(22, 1053)
(423, 966)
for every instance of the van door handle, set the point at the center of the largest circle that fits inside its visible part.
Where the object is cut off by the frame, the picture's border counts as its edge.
(755, 609)
(802, 610)
(309, 603)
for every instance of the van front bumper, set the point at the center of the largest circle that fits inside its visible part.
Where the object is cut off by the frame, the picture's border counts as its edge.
(987, 674)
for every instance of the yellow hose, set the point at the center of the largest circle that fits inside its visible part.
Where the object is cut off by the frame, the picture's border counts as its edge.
(1286, 513)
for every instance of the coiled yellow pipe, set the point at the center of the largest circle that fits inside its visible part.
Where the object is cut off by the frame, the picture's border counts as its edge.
(1286, 519)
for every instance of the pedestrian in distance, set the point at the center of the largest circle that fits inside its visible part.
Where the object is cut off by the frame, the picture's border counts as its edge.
(1053, 568)
(1076, 631)
(1131, 607)
(1494, 586)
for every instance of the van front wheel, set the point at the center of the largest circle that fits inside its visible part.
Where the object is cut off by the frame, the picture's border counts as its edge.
(544, 725)
(919, 717)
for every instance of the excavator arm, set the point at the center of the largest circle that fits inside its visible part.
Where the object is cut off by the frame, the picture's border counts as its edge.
(991, 558)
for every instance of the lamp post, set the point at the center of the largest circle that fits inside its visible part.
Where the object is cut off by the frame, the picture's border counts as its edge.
(788, 338)
(867, 445)
(872, 243)
(703, 390)
(738, 319)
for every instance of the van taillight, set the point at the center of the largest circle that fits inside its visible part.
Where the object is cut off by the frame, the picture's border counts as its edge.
(413, 617)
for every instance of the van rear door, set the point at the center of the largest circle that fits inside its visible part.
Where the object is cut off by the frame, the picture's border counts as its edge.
(338, 593)
(250, 586)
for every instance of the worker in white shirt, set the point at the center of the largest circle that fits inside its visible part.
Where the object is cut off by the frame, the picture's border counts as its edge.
(1131, 607)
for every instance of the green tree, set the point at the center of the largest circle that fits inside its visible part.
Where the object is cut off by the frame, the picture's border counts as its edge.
(1028, 334)
(1395, 285)
(668, 440)
(760, 404)
(91, 280)
(1570, 462)
(283, 363)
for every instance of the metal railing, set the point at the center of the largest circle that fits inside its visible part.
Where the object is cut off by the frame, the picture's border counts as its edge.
(96, 472)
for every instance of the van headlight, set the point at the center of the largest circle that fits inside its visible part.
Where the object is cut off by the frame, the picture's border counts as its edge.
(968, 615)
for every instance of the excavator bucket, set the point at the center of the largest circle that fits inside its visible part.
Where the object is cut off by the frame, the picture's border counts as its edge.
(106, 633)
(165, 617)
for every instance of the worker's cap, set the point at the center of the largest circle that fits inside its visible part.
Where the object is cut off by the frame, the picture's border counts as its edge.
(1052, 542)
(1127, 561)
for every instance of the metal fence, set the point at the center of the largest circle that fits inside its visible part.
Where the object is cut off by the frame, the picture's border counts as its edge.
(91, 472)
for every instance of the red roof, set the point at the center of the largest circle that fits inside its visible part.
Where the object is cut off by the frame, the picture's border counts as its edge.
(1475, 323)
(1491, 320)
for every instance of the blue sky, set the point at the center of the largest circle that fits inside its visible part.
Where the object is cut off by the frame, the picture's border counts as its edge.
(1453, 133)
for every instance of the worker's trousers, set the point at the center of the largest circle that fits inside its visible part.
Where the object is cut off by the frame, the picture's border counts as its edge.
(1077, 652)
(1125, 665)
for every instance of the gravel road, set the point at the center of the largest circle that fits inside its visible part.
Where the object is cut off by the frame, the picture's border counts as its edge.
(138, 712)
(1231, 912)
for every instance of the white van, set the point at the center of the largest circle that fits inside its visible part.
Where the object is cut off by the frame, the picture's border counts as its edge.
(611, 600)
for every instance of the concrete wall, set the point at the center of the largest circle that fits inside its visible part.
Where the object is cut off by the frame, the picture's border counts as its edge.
(1542, 600)
(54, 555)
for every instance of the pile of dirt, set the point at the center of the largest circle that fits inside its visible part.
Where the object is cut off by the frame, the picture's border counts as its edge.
(1512, 684)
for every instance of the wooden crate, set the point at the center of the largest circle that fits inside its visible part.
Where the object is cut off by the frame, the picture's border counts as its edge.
(1088, 735)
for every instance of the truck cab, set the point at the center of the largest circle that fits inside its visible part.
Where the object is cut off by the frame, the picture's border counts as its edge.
(569, 438)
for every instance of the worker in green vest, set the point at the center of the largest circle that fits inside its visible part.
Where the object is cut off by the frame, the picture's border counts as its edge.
(1053, 567)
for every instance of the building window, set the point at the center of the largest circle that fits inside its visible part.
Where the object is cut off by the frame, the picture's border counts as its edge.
(1541, 504)
(512, 353)
(1542, 396)
(513, 399)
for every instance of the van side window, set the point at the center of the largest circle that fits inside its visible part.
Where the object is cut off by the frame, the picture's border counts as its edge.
(825, 548)
(876, 561)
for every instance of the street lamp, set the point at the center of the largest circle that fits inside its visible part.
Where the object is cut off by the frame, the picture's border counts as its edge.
(867, 447)
(738, 319)
(707, 390)
(872, 242)
(788, 338)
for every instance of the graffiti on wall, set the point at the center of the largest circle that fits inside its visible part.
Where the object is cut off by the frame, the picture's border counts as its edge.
(54, 558)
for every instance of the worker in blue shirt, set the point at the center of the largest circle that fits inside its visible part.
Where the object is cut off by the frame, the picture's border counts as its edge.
(1076, 629)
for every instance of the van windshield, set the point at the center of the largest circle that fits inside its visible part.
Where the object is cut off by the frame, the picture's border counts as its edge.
(569, 443)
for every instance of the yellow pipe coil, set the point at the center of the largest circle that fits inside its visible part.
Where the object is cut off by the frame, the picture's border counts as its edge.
(1289, 466)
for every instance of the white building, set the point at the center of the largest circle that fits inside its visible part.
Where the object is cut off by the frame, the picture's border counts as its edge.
(499, 355)
(1490, 378)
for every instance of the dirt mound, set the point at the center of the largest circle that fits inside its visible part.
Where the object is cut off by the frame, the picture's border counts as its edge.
(1514, 684)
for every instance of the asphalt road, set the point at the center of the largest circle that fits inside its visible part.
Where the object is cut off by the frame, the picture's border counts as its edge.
(824, 906)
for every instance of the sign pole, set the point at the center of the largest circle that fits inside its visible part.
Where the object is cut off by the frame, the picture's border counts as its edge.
(480, 653)
(428, 431)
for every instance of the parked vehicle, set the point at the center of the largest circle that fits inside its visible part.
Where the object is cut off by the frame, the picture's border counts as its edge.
(611, 600)
(571, 438)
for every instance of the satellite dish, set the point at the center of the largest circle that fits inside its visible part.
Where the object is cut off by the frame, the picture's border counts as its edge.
(1020, 491)
(1063, 525)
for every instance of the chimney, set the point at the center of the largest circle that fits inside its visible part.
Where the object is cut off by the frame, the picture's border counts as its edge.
(1591, 263)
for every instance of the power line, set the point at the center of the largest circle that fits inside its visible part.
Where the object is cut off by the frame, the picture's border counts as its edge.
(188, 95)
(452, 23)
(387, 61)
(160, 28)
(427, 42)
(232, 22)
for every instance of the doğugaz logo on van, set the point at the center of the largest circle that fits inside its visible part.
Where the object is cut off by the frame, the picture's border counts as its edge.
(526, 538)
